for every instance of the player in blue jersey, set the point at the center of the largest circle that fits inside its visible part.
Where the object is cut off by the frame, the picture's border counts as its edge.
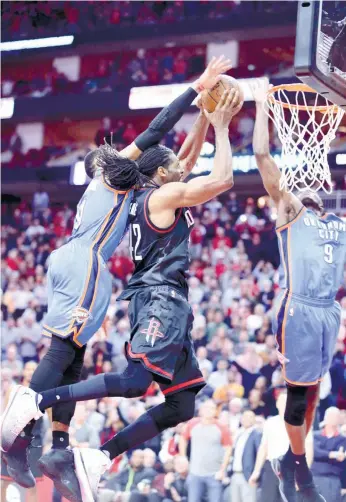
(306, 320)
(161, 347)
(79, 283)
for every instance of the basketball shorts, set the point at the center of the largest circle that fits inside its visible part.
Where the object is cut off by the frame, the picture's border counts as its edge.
(306, 332)
(79, 290)
(161, 321)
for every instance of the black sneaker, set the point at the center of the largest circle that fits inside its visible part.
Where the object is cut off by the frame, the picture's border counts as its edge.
(309, 493)
(58, 465)
(287, 483)
(16, 460)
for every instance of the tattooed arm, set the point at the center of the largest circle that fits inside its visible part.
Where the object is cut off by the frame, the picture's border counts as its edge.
(288, 205)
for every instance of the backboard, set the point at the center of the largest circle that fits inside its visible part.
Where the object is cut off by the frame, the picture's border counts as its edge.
(320, 54)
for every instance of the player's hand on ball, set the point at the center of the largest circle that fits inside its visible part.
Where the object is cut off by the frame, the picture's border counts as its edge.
(227, 107)
(199, 104)
(213, 71)
(259, 88)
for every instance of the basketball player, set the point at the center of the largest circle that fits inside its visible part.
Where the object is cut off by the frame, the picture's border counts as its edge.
(78, 279)
(161, 347)
(307, 318)
(34, 453)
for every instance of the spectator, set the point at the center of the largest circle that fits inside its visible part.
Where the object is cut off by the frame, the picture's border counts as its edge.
(128, 479)
(104, 131)
(203, 361)
(246, 444)
(330, 457)
(232, 389)
(40, 202)
(29, 335)
(219, 378)
(210, 454)
(94, 419)
(81, 433)
(176, 483)
(13, 362)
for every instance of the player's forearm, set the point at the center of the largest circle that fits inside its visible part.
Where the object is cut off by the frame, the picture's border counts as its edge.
(260, 140)
(267, 167)
(166, 119)
(223, 165)
(191, 148)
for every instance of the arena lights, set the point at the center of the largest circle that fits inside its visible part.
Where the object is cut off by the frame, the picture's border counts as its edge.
(340, 159)
(6, 108)
(158, 96)
(38, 43)
(78, 176)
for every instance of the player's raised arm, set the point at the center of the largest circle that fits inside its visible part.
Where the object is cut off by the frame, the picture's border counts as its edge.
(201, 189)
(191, 148)
(169, 116)
(268, 169)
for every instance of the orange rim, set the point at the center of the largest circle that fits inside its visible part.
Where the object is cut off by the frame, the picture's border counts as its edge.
(296, 88)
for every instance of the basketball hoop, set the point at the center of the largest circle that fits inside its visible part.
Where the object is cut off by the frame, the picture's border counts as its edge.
(305, 128)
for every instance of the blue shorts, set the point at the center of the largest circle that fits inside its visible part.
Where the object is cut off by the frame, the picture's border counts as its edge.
(79, 290)
(306, 332)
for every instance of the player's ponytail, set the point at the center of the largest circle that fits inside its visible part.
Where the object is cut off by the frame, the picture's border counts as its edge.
(120, 172)
(153, 158)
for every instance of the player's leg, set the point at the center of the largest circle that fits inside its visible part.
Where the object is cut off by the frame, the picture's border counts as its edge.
(299, 337)
(91, 464)
(58, 463)
(48, 373)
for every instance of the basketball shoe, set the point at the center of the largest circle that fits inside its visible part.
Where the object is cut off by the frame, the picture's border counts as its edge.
(90, 465)
(58, 465)
(22, 407)
(309, 493)
(17, 463)
(286, 476)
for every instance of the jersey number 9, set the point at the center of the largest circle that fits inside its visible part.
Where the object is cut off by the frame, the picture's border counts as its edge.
(328, 253)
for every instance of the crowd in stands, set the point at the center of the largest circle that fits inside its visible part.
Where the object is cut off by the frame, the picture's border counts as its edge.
(233, 285)
(106, 72)
(22, 20)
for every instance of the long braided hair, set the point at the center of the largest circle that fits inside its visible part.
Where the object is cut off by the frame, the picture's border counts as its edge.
(120, 172)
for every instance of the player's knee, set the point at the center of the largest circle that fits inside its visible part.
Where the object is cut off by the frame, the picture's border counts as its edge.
(182, 406)
(133, 382)
(296, 405)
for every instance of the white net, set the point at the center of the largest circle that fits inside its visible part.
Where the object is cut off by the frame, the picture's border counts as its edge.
(305, 130)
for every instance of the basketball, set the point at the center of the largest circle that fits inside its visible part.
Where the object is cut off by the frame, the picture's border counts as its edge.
(212, 96)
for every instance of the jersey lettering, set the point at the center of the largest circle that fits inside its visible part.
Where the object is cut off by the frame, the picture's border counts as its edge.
(189, 218)
(136, 234)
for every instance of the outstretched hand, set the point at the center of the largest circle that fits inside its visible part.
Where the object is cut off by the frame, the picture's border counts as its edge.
(227, 107)
(259, 88)
(213, 72)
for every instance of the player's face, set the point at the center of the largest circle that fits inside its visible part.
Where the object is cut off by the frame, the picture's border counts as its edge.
(174, 171)
(311, 200)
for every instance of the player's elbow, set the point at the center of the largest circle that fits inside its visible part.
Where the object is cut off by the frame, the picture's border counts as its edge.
(227, 183)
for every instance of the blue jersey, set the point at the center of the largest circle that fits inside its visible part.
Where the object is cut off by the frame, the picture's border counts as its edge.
(313, 254)
(102, 217)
